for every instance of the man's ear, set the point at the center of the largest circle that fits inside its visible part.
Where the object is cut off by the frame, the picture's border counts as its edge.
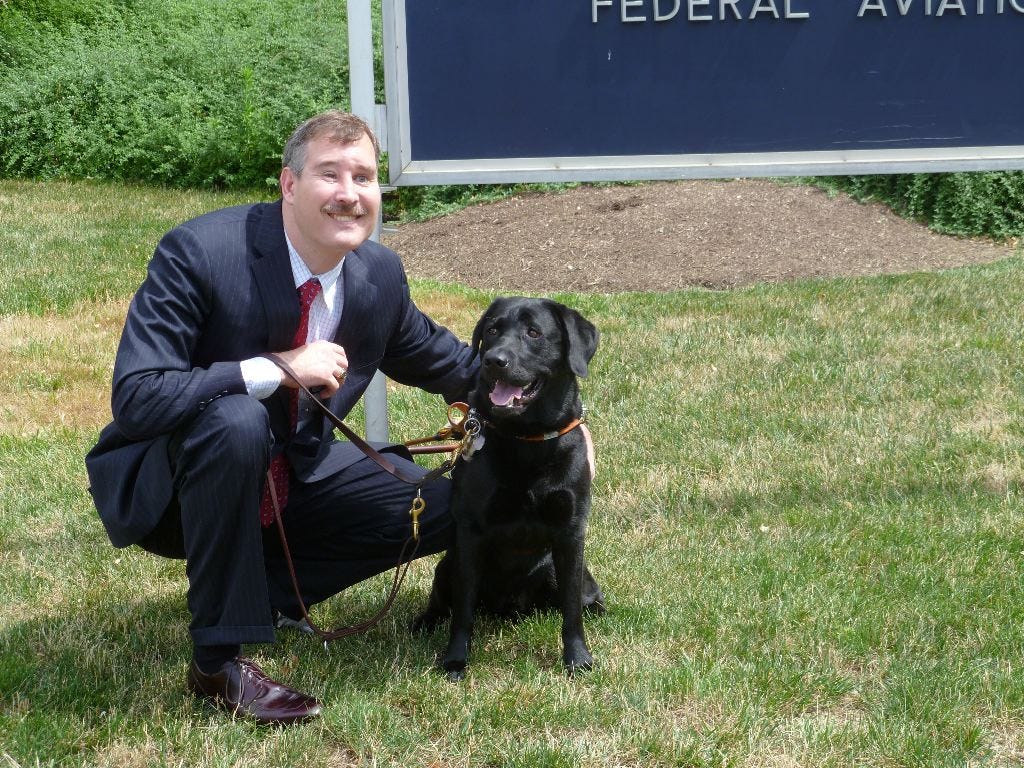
(287, 181)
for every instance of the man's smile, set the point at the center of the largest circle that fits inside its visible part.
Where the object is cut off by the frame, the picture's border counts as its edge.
(342, 215)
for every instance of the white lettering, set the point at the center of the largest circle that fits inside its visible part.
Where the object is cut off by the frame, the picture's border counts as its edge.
(640, 11)
(625, 13)
(790, 14)
(659, 16)
(872, 5)
(723, 4)
(691, 15)
(764, 6)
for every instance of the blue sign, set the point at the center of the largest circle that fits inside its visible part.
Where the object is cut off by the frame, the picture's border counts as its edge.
(485, 90)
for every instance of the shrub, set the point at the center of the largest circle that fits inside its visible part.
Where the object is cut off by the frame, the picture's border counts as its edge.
(969, 204)
(190, 93)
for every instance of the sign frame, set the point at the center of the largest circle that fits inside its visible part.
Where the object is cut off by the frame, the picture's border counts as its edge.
(406, 169)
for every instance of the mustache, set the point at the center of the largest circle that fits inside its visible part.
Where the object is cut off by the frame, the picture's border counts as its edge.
(339, 210)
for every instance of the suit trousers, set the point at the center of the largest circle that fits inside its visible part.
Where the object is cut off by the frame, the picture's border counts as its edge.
(340, 530)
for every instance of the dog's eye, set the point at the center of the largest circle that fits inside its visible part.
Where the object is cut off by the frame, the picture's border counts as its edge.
(492, 331)
(534, 333)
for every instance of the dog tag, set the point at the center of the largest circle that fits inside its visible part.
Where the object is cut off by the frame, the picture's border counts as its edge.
(472, 443)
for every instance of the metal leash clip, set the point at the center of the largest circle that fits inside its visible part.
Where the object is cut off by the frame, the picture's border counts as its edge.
(418, 505)
(472, 439)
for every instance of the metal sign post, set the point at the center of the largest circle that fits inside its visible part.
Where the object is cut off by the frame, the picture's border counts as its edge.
(361, 85)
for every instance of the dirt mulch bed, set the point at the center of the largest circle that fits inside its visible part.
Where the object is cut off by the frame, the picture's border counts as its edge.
(665, 236)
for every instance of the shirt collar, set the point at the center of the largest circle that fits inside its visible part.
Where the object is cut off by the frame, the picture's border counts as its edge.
(301, 273)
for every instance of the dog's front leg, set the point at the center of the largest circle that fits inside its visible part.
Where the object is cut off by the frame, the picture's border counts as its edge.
(464, 598)
(568, 558)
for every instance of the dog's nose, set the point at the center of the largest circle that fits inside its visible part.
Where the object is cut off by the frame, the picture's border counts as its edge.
(496, 359)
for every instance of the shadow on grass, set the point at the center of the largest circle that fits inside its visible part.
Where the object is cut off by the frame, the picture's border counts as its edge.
(96, 673)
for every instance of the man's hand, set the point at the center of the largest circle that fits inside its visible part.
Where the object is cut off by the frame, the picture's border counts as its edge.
(319, 364)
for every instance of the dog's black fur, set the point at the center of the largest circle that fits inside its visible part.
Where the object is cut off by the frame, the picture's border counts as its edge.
(521, 507)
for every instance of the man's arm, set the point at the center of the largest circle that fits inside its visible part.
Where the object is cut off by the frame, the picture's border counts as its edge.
(157, 385)
(424, 354)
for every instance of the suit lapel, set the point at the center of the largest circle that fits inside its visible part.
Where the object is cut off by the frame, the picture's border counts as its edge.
(273, 273)
(272, 270)
(360, 297)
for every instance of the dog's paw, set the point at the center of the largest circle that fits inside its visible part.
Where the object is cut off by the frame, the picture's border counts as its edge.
(455, 675)
(454, 669)
(424, 623)
(578, 667)
(577, 659)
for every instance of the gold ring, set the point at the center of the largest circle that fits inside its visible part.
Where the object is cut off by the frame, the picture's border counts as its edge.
(340, 376)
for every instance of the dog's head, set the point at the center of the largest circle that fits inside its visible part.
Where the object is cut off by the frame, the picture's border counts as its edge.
(528, 347)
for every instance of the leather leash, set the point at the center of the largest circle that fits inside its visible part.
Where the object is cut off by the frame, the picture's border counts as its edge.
(382, 461)
(418, 505)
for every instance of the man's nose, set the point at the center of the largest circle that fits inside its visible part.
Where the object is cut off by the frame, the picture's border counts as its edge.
(345, 190)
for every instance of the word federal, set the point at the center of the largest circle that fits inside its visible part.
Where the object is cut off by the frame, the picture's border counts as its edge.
(638, 11)
(699, 10)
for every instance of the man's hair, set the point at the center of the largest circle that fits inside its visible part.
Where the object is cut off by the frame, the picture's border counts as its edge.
(338, 126)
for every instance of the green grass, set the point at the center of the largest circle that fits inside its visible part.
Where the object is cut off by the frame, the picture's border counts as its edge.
(807, 522)
(67, 242)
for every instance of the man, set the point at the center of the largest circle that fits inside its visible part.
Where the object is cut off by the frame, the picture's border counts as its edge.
(200, 417)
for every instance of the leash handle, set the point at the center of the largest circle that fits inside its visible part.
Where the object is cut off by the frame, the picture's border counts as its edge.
(359, 627)
(382, 461)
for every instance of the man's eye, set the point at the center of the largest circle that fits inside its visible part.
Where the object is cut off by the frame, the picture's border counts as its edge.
(534, 333)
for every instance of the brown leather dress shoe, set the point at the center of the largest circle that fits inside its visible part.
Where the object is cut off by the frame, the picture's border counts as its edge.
(244, 689)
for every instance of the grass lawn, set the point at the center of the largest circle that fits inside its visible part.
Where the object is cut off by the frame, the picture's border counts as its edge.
(807, 523)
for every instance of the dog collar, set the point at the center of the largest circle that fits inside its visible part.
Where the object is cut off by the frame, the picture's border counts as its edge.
(544, 435)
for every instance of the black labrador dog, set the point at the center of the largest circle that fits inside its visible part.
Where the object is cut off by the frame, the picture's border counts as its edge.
(521, 494)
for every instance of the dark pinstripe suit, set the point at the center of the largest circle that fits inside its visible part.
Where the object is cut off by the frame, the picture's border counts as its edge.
(188, 441)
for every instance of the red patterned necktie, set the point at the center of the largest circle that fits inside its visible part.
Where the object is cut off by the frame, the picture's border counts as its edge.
(279, 464)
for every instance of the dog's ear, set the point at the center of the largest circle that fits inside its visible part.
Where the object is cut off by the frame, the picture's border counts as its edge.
(580, 339)
(478, 332)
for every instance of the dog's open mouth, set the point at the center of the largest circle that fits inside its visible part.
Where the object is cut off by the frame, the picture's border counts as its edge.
(505, 395)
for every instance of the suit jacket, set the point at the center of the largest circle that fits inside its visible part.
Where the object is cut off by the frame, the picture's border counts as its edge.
(219, 290)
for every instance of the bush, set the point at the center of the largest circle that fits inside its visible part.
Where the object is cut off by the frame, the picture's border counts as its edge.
(968, 204)
(190, 93)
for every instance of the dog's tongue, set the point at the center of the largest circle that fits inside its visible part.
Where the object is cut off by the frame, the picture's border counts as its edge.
(503, 393)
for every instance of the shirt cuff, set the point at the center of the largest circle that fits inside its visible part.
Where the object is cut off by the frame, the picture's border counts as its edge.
(262, 377)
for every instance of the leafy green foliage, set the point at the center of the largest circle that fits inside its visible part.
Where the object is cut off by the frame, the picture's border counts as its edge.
(192, 93)
(968, 204)
(419, 203)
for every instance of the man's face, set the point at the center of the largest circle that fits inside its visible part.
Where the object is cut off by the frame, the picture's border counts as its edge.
(332, 207)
